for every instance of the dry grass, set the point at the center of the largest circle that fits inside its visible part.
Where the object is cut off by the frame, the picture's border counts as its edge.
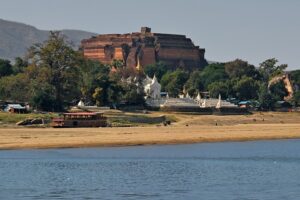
(10, 119)
(255, 118)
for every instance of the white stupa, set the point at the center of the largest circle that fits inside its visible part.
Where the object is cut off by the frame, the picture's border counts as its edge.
(219, 102)
(80, 103)
(203, 105)
(147, 80)
(187, 96)
(198, 98)
(153, 89)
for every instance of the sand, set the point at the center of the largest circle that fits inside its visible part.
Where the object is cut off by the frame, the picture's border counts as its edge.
(188, 129)
(29, 138)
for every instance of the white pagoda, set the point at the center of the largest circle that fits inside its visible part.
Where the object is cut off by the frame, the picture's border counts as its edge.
(153, 89)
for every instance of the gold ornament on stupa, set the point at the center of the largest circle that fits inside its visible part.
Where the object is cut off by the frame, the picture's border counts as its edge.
(139, 66)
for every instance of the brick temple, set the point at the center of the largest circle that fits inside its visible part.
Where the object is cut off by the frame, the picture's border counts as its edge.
(147, 47)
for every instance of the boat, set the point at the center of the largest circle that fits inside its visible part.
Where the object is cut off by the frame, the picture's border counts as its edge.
(80, 119)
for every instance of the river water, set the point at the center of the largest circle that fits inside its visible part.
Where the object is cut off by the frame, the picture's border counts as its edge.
(236, 171)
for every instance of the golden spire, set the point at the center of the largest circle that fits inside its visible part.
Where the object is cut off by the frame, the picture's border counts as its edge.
(138, 66)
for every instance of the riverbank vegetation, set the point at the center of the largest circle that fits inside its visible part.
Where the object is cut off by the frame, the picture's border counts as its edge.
(233, 80)
(53, 76)
(115, 118)
(9, 119)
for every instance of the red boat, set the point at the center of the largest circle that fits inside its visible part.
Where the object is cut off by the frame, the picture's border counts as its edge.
(80, 119)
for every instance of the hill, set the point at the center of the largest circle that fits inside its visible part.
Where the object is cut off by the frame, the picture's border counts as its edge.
(16, 37)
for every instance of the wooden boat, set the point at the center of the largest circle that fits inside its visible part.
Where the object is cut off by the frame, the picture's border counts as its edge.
(80, 119)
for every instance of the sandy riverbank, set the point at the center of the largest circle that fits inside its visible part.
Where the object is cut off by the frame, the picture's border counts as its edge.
(22, 138)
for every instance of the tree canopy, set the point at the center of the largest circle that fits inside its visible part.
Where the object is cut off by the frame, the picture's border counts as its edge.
(239, 68)
(195, 83)
(6, 68)
(157, 69)
(54, 76)
(269, 68)
(173, 82)
(62, 62)
(213, 73)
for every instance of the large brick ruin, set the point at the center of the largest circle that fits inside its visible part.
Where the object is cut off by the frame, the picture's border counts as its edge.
(173, 50)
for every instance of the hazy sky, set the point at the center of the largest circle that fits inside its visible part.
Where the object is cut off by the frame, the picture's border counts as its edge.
(253, 30)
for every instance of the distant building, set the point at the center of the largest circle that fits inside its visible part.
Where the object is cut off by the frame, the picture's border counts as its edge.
(173, 50)
(244, 104)
(15, 108)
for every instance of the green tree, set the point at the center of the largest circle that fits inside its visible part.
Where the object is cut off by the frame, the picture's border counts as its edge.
(110, 88)
(117, 64)
(269, 69)
(24, 86)
(246, 88)
(173, 82)
(278, 90)
(126, 72)
(99, 96)
(132, 94)
(5, 68)
(115, 92)
(194, 83)
(219, 87)
(98, 85)
(42, 99)
(157, 69)
(20, 65)
(93, 75)
(295, 76)
(296, 99)
(15, 88)
(265, 98)
(62, 61)
(213, 73)
(239, 68)
(100, 93)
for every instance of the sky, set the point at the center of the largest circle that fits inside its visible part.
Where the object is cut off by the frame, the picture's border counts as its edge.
(252, 30)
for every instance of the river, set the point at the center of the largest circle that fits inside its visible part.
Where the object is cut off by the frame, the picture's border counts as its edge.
(212, 171)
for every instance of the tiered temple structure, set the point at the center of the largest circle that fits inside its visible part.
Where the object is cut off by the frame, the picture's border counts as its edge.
(149, 48)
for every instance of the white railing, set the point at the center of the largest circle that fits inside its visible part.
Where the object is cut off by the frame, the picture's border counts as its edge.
(186, 102)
